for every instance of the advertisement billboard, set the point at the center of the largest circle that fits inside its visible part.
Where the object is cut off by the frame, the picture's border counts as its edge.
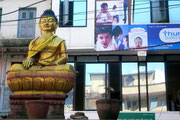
(163, 36)
(113, 32)
(138, 37)
(111, 15)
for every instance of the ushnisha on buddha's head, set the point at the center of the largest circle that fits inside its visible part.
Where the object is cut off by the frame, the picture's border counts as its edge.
(48, 21)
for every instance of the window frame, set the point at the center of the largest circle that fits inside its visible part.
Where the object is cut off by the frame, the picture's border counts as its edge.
(152, 10)
(166, 9)
(79, 103)
(0, 17)
(61, 14)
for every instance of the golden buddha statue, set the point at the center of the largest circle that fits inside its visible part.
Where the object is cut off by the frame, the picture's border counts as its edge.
(45, 70)
(48, 49)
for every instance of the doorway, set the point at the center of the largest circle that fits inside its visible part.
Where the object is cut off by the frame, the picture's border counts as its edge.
(173, 82)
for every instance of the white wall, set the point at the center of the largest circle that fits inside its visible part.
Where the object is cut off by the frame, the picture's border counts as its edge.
(78, 37)
(9, 29)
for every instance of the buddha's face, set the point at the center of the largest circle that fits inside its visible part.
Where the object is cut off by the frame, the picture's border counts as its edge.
(47, 24)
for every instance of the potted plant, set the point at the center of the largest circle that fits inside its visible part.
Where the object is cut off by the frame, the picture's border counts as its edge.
(37, 109)
(108, 108)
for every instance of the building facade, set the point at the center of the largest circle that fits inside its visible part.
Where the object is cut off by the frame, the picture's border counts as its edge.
(143, 82)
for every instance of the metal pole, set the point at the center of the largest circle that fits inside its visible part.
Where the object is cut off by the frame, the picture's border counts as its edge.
(147, 91)
(1, 77)
(139, 91)
(129, 11)
(3, 83)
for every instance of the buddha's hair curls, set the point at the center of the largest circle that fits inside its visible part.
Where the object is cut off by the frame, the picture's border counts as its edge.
(50, 13)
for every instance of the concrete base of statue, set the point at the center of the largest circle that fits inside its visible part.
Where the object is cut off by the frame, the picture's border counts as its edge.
(49, 84)
(41, 80)
(56, 105)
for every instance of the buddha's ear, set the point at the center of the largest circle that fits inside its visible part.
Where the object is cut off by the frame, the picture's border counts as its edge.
(40, 27)
(56, 25)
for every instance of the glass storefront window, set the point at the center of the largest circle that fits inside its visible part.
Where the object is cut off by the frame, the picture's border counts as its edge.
(130, 86)
(156, 86)
(69, 101)
(94, 84)
(159, 11)
(155, 11)
(143, 88)
(152, 81)
(173, 11)
(142, 12)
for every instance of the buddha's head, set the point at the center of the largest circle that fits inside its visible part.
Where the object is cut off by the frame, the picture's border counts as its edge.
(48, 21)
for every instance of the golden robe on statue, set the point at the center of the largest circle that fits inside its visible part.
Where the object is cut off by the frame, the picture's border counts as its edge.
(51, 51)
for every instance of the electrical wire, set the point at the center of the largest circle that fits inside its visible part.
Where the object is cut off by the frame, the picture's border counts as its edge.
(97, 51)
(170, 7)
(80, 19)
(65, 14)
(143, 47)
(72, 13)
(146, 47)
(23, 8)
(173, 6)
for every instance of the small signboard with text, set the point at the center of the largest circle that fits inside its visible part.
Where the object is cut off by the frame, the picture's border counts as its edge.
(136, 116)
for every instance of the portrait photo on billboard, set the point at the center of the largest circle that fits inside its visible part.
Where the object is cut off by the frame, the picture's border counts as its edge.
(120, 37)
(111, 12)
(164, 36)
(138, 38)
(104, 40)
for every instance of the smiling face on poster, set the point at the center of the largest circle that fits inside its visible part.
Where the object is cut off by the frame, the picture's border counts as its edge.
(111, 12)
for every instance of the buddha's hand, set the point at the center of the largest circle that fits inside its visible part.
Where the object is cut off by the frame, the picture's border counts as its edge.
(28, 63)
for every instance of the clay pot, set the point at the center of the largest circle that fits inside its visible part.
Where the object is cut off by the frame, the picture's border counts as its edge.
(37, 109)
(108, 108)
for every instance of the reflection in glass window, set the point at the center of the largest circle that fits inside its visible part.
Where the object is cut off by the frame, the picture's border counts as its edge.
(23, 15)
(174, 11)
(163, 102)
(94, 85)
(159, 10)
(31, 14)
(69, 100)
(130, 86)
(0, 16)
(156, 86)
(72, 12)
(154, 103)
(151, 11)
(132, 105)
(142, 11)
(143, 93)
